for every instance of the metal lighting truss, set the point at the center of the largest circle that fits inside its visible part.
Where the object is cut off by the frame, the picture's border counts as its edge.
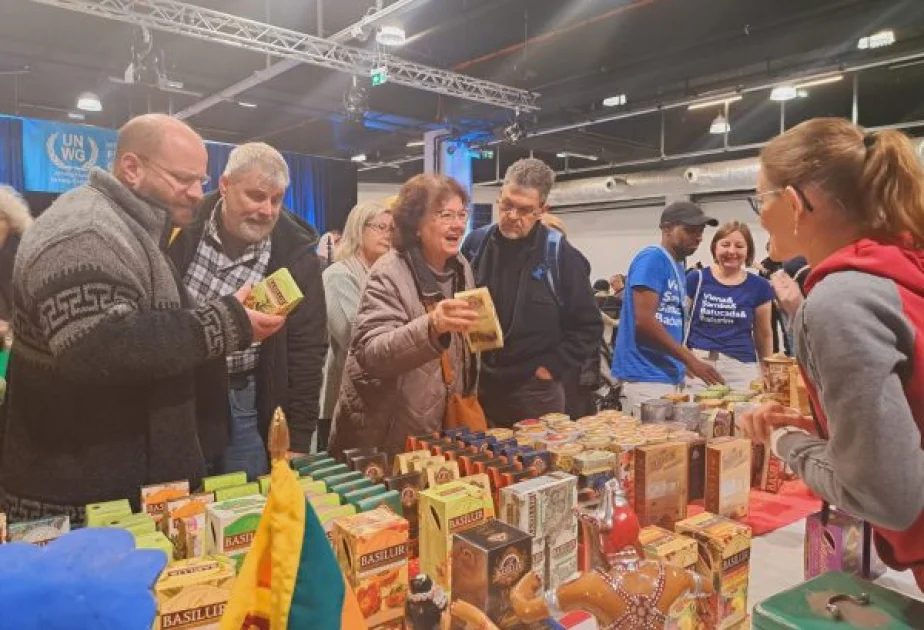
(214, 26)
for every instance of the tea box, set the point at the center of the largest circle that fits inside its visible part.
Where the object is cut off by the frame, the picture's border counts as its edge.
(661, 484)
(276, 294)
(39, 532)
(211, 484)
(666, 546)
(237, 492)
(728, 477)
(154, 498)
(96, 512)
(231, 526)
(193, 593)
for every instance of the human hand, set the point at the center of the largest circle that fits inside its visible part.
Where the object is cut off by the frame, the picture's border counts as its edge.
(452, 316)
(261, 324)
(543, 374)
(788, 294)
(759, 424)
(705, 371)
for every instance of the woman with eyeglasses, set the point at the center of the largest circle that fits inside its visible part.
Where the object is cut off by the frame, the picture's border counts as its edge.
(366, 238)
(853, 204)
(407, 353)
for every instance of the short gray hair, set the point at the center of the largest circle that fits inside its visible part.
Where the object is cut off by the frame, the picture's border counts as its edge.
(352, 241)
(259, 155)
(14, 208)
(533, 174)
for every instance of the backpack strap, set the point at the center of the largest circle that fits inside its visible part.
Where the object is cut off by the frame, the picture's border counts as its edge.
(551, 258)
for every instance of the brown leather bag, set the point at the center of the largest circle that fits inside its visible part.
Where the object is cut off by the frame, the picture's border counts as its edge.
(461, 410)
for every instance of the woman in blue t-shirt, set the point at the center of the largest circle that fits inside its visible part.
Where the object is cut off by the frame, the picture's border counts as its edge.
(731, 308)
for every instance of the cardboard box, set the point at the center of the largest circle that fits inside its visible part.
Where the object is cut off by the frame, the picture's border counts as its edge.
(237, 492)
(487, 333)
(318, 464)
(661, 484)
(487, 562)
(408, 488)
(540, 559)
(728, 477)
(157, 541)
(98, 512)
(668, 547)
(276, 294)
(211, 484)
(483, 483)
(798, 392)
(562, 555)
(402, 463)
(321, 474)
(438, 474)
(444, 511)
(178, 509)
(716, 423)
(311, 487)
(353, 498)
(324, 500)
(696, 458)
(837, 547)
(154, 498)
(539, 461)
(374, 467)
(231, 526)
(389, 498)
(724, 560)
(768, 472)
(137, 524)
(193, 593)
(306, 460)
(372, 550)
(350, 486)
(352, 475)
(39, 532)
(191, 536)
(329, 515)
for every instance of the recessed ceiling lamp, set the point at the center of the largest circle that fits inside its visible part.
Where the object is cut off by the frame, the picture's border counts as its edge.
(413, 144)
(834, 78)
(89, 102)
(580, 156)
(391, 36)
(784, 93)
(359, 158)
(880, 39)
(76, 116)
(615, 101)
(719, 126)
(247, 104)
(718, 101)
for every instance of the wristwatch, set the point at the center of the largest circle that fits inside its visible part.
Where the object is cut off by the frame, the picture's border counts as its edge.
(779, 433)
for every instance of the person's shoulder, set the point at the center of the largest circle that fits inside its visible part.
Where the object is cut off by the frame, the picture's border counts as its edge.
(848, 294)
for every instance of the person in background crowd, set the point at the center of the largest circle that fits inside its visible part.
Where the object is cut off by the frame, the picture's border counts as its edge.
(14, 219)
(366, 238)
(240, 236)
(730, 322)
(548, 333)
(409, 325)
(650, 357)
(853, 204)
(789, 288)
(108, 352)
(327, 247)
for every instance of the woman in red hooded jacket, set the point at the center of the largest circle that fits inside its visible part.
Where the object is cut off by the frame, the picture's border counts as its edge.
(852, 203)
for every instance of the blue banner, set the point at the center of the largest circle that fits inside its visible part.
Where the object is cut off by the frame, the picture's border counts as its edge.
(58, 157)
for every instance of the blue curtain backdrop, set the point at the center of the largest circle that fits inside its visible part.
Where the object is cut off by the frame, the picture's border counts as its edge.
(11, 152)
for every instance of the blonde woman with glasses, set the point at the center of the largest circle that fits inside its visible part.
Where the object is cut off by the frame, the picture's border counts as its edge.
(366, 238)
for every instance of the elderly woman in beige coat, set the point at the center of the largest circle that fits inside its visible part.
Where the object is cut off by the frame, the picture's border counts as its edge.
(393, 385)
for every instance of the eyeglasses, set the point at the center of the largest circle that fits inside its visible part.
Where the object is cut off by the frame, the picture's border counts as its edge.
(382, 228)
(505, 206)
(757, 201)
(447, 217)
(184, 180)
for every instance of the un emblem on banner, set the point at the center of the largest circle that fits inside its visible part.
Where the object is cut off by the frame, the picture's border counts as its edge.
(72, 151)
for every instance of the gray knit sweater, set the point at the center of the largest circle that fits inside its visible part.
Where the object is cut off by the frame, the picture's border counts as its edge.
(102, 391)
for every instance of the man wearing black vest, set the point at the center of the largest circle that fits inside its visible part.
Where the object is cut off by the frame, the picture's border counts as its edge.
(540, 285)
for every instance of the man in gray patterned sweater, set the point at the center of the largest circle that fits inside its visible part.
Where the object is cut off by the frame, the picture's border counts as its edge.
(114, 370)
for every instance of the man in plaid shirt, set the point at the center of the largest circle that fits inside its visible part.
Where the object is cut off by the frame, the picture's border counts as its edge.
(241, 235)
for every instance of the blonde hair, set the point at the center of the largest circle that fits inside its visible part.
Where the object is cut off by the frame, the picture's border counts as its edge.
(351, 243)
(14, 209)
(553, 222)
(876, 178)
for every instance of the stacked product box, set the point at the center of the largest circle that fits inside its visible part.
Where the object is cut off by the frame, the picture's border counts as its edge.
(231, 526)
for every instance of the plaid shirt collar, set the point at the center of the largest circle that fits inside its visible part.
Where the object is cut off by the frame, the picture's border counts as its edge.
(213, 234)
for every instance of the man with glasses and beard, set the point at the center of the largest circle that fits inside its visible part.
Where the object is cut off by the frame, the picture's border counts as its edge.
(240, 235)
(107, 389)
(650, 356)
(540, 285)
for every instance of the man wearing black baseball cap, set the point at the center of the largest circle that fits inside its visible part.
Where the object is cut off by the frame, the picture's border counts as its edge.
(650, 356)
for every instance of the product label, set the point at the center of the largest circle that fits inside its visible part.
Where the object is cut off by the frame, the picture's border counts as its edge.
(461, 522)
(382, 557)
(236, 542)
(193, 617)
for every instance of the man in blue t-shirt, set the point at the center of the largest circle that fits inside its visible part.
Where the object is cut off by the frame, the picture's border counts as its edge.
(650, 357)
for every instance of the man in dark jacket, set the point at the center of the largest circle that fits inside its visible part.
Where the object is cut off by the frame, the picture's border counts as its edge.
(242, 234)
(549, 317)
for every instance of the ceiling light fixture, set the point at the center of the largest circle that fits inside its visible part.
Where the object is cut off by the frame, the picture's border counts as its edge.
(802, 93)
(76, 116)
(89, 102)
(615, 101)
(356, 102)
(359, 158)
(580, 156)
(719, 126)
(834, 78)
(413, 144)
(880, 39)
(247, 104)
(784, 93)
(392, 36)
(718, 101)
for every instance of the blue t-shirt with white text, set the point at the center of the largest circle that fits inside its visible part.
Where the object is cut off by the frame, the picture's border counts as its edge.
(723, 316)
(633, 361)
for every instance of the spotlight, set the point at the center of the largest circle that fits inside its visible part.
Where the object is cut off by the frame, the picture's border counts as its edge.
(719, 126)
(356, 102)
(514, 133)
(89, 102)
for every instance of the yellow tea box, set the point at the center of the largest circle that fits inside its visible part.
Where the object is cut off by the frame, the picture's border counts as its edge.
(372, 549)
(39, 532)
(211, 484)
(231, 526)
(443, 511)
(177, 510)
(154, 498)
(440, 473)
(724, 560)
(728, 477)
(402, 463)
(486, 333)
(193, 593)
(98, 512)
(483, 481)
(276, 294)
(668, 547)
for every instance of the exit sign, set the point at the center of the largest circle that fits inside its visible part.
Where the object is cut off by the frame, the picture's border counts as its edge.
(379, 76)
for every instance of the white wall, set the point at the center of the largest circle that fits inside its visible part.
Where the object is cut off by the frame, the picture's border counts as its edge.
(611, 238)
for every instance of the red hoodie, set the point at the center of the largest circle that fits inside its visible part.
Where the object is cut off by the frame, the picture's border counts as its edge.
(905, 267)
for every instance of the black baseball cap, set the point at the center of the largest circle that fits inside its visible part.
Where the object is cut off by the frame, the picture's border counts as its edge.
(686, 213)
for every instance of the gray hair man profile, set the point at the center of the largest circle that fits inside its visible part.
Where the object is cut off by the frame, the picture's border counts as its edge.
(540, 285)
(241, 234)
(110, 361)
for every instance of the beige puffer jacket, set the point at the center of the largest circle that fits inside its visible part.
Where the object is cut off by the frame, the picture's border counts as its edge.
(392, 382)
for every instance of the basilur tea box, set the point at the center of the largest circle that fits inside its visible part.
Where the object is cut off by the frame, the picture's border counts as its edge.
(488, 561)
(728, 477)
(372, 551)
(661, 472)
(724, 560)
(193, 593)
(276, 294)
(446, 510)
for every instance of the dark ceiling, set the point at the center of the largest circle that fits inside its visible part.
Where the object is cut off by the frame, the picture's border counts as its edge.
(574, 53)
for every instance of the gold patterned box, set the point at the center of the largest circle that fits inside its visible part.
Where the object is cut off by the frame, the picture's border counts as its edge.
(276, 294)
(487, 333)
(668, 547)
(193, 593)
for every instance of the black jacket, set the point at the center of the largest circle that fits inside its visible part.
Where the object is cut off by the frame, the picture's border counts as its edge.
(539, 332)
(291, 361)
